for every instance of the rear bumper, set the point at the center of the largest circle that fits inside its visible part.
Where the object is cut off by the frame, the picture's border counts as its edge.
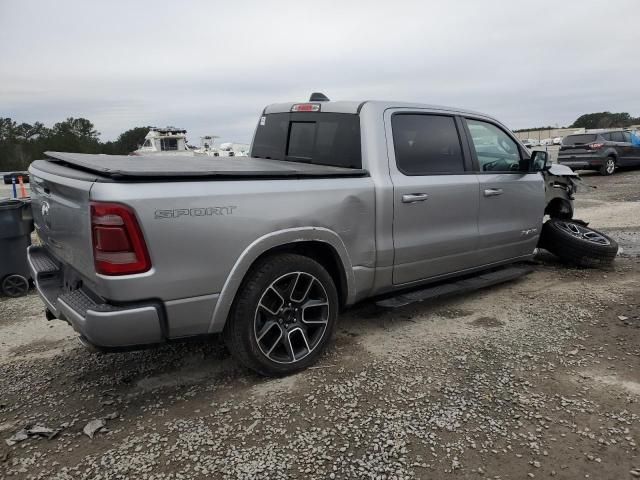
(577, 162)
(100, 323)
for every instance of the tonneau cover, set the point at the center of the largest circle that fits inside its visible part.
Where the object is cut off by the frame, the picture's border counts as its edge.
(183, 166)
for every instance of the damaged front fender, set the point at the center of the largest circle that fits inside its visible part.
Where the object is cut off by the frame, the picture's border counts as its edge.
(560, 185)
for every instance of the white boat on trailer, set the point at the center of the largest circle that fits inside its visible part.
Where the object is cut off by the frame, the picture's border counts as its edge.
(165, 141)
(173, 141)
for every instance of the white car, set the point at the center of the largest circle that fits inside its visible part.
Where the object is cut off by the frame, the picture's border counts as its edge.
(531, 142)
(557, 141)
(546, 141)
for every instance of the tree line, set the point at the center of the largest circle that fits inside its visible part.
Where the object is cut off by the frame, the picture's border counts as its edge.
(605, 120)
(596, 120)
(21, 143)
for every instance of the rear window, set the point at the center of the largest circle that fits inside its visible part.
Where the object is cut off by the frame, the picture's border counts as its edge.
(579, 139)
(319, 138)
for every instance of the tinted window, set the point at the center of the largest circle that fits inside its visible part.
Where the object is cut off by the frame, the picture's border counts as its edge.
(627, 136)
(578, 139)
(426, 144)
(320, 138)
(606, 137)
(301, 140)
(270, 140)
(617, 137)
(496, 151)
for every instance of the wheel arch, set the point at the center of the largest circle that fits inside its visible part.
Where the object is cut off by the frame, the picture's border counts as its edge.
(320, 244)
(559, 208)
(611, 152)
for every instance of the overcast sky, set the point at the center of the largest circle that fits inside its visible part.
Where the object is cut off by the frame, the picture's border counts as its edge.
(211, 67)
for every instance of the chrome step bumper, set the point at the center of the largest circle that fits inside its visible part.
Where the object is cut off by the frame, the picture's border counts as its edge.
(101, 323)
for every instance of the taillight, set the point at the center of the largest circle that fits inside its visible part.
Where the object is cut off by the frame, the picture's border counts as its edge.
(595, 146)
(118, 244)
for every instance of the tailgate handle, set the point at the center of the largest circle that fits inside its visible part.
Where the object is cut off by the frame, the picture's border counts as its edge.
(414, 197)
(493, 192)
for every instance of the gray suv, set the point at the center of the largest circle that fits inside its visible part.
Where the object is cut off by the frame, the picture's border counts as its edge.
(599, 151)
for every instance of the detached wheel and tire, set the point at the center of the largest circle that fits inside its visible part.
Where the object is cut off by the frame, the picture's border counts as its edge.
(284, 316)
(608, 167)
(15, 285)
(578, 244)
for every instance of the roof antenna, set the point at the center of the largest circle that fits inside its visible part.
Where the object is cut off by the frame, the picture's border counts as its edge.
(318, 97)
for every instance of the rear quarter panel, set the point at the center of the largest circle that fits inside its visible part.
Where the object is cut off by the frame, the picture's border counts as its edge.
(196, 231)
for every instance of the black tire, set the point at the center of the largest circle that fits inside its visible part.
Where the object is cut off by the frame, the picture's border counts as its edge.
(284, 284)
(577, 244)
(15, 286)
(609, 166)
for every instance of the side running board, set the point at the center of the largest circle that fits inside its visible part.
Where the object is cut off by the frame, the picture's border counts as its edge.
(454, 287)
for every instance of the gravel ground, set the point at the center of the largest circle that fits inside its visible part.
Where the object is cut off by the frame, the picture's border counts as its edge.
(531, 379)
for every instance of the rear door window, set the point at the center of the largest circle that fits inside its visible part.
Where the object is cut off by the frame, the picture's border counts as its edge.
(627, 136)
(617, 137)
(426, 144)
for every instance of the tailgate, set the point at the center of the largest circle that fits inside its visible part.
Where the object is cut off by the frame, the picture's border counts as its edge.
(61, 217)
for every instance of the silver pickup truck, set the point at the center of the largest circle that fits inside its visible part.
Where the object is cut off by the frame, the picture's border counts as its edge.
(338, 202)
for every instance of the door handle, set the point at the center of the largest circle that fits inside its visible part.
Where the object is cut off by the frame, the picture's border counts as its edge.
(493, 192)
(414, 197)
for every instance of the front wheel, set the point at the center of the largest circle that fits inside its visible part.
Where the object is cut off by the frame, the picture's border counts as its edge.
(608, 167)
(575, 243)
(284, 316)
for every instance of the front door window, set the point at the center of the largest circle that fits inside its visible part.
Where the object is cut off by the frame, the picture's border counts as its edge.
(496, 151)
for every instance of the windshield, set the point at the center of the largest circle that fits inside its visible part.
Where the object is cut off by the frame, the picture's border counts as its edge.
(319, 138)
(578, 139)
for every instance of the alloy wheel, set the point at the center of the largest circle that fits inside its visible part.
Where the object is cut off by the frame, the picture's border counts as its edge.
(584, 233)
(291, 317)
(611, 166)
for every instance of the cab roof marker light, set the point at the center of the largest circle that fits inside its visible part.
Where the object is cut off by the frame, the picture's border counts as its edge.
(306, 107)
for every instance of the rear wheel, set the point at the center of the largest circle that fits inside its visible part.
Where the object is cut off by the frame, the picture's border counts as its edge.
(284, 316)
(578, 244)
(15, 285)
(608, 167)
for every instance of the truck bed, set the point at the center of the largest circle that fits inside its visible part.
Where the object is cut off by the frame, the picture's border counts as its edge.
(174, 167)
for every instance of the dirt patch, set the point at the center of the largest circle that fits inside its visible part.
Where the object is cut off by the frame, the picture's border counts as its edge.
(453, 313)
(613, 381)
(486, 322)
(25, 332)
(275, 386)
(39, 347)
(602, 216)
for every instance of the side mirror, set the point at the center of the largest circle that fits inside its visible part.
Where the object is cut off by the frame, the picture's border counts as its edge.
(539, 161)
